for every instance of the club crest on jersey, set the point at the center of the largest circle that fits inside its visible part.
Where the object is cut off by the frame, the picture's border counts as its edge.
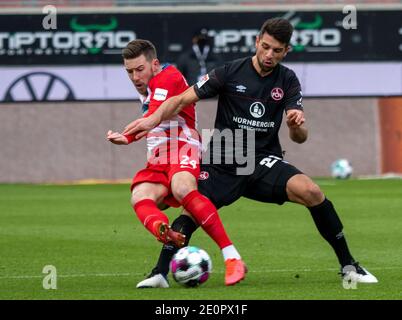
(257, 109)
(204, 175)
(277, 94)
(204, 79)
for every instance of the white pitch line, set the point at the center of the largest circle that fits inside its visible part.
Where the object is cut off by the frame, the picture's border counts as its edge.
(83, 275)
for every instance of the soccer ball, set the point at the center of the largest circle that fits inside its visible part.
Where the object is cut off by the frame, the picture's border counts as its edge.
(191, 266)
(341, 169)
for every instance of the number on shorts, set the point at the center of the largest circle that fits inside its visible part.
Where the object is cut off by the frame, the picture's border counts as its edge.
(269, 161)
(187, 162)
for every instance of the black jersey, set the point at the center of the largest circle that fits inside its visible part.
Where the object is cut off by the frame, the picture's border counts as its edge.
(248, 101)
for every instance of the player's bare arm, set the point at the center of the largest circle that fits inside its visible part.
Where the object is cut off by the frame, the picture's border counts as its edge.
(295, 120)
(166, 110)
(116, 137)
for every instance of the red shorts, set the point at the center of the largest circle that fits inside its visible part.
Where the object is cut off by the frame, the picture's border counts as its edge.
(166, 163)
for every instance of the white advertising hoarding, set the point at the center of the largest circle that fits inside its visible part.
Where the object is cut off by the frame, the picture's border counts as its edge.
(65, 83)
(108, 82)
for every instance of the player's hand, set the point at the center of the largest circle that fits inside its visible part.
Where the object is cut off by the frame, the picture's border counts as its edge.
(116, 137)
(142, 126)
(295, 118)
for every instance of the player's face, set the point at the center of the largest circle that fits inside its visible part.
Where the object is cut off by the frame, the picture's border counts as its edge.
(269, 52)
(140, 72)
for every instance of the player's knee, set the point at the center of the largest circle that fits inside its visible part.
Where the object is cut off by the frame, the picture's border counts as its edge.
(136, 197)
(181, 190)
(140, 194)
(182, 184)
(312, 195)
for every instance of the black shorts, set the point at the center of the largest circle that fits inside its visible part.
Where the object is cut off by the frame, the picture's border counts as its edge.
(266, 184)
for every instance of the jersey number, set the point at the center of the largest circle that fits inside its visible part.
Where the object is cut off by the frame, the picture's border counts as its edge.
(270, 161)
(185, 162)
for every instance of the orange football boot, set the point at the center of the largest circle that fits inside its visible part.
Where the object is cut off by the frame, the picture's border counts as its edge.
(165, 234)
(235, 271)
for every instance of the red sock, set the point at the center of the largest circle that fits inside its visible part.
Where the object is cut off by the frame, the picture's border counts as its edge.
(206, 215)
(148, 213)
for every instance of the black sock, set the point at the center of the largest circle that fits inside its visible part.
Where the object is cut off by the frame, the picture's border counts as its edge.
(330, 227)
(186, 226)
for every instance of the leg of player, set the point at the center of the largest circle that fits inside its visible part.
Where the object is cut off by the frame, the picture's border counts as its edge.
(184, 189)
(158, 276)
(235, 268)
(301, 189)
(144, 199)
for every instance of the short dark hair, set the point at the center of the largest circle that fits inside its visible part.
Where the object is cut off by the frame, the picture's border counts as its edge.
(279, 28)
(137, 47)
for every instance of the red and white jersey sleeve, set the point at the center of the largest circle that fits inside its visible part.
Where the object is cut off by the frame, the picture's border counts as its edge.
(168, 83)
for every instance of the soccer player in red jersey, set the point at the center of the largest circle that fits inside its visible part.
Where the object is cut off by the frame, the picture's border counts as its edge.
(172, 171)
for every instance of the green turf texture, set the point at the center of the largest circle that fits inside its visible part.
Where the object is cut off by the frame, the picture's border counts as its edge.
(101, 250)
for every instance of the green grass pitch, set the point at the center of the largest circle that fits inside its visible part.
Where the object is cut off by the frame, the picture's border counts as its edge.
(101, 250)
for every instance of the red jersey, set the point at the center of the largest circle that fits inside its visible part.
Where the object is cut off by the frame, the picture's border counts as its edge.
(182, 127)
(174, 145)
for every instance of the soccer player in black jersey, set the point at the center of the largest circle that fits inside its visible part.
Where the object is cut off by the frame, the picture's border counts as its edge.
(254, 93)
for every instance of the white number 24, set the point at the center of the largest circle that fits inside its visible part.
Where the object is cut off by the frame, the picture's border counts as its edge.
(186, 162)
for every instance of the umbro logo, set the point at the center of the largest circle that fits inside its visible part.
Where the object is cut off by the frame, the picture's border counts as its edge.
(241, 88)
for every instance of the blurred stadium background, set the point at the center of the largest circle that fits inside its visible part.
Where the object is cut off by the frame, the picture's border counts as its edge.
(62, 89)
